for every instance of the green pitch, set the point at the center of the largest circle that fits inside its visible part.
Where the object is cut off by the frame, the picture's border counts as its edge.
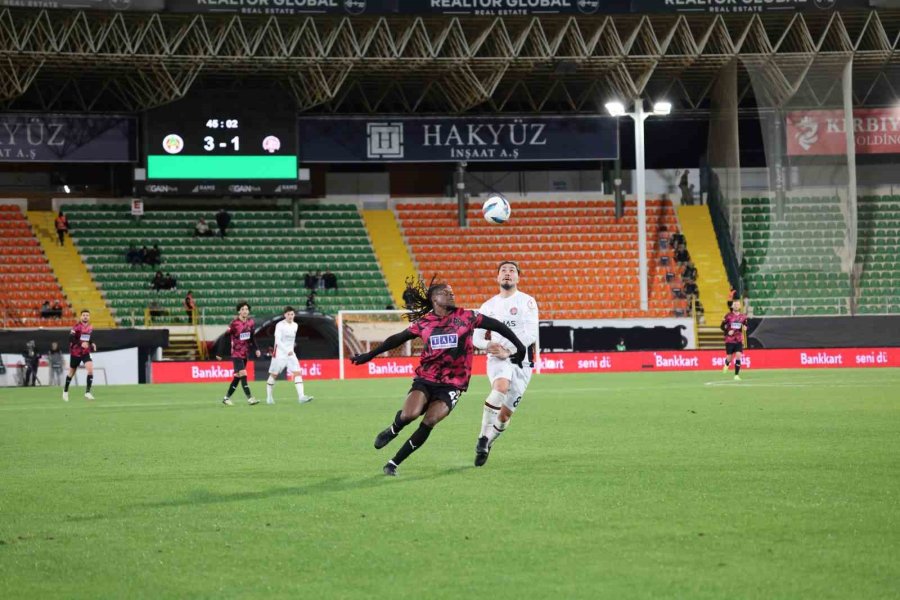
(786, 485)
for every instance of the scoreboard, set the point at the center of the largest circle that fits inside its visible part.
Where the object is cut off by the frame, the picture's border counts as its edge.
(222, 142)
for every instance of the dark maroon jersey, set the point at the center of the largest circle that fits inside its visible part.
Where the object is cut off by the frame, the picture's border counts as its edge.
(80, 333)
(447, 355)
(733, 324)
(241, 334)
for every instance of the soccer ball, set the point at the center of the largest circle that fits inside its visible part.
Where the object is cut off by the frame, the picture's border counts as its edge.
(496, 209)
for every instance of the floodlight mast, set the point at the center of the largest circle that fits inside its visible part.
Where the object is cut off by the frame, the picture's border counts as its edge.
(617, 109)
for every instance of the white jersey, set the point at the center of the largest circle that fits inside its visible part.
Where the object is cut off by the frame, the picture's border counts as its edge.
(519, 312)
(285, 337)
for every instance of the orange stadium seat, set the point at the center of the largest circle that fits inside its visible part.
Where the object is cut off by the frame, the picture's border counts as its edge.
(577, 259)
(27, 278)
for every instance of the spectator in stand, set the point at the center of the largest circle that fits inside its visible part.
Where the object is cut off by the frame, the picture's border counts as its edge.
(55, 358)
(142, 254)
(32, 360)
(169, 282)
(687, 195)
(155, 310)
(133, 256)
(689, 272)
(62, 227)
(190, 306)
(676, 239)
(223, 220)
(201, 229)
(153, 257)
(311, 301)
(46, 310)
(320, 281)
(682, 256)
(157, 282)
(330, 279)
(691, 290)
(308, 281)
(57, 310)
(663, 237)
(620, 347)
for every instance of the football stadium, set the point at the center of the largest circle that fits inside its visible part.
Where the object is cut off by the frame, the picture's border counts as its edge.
(449, 299)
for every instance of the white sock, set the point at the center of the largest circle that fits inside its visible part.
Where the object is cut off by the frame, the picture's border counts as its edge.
(298, 383)
(489, 416)
(270, 386)
(498, 428)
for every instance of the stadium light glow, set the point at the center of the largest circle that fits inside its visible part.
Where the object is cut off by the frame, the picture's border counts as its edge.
(662, 109)
(67, 189)
(615, 109)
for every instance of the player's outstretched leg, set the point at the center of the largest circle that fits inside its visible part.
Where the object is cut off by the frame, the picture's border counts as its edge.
(413, 407)
(492, 406)
(725, 367)
(246, 387)
(302, 398)
(87, 388)
(235, 380)
(737, 368)
(270, 387)
(433, 415)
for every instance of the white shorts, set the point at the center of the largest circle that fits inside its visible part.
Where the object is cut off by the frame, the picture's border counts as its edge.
(501, 368)
(280, 362)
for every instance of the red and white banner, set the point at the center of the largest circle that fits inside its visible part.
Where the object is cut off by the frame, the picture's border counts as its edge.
(822, 132)
(577, 362)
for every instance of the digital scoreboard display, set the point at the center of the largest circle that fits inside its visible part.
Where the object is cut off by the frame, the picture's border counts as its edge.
(225, 141)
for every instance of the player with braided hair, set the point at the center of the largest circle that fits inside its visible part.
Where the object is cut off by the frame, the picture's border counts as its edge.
(445, 364)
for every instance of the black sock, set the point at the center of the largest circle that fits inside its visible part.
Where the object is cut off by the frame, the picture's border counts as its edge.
(398, 424)
(233, 386)
(245, 386)
(727, 361)
(415, 441)
(737, 367)
(90, 382)
(68, 381)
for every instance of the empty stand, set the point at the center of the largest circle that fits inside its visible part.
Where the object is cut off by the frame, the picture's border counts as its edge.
(262, 260)
(878, 255)
(577, 259)
(793, 262)
(28, 280)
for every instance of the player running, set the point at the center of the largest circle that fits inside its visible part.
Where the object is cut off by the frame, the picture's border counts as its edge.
(445, 365)
(285, 357)
(734, 325)
(80, 346)
(242, 342)
(519, 312)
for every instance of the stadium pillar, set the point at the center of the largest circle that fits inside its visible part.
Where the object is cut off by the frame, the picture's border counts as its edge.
(640, 185)
(461, 192)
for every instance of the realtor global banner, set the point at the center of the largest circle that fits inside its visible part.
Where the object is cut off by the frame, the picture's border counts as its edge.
(471, 139)
(823, 132)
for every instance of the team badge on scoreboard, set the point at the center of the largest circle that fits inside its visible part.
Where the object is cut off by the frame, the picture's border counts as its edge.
(173, 144)
(271, 144)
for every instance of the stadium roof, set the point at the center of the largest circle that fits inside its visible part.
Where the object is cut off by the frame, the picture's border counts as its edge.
(114, 61)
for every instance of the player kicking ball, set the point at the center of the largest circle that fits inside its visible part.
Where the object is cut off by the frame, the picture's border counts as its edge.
(445, 365)
(285, 357)
(242, 343)
(734, 325)
(80, 346)
(518, 311)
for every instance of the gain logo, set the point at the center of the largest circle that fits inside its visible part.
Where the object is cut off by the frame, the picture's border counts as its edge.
(355, 7)
(588, 7)
(173, 144)
(807, 132)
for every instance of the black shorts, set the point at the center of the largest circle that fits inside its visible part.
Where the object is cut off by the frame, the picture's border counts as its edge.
(239, 364)
(437, 392)
(74, 361)
(731, 348)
